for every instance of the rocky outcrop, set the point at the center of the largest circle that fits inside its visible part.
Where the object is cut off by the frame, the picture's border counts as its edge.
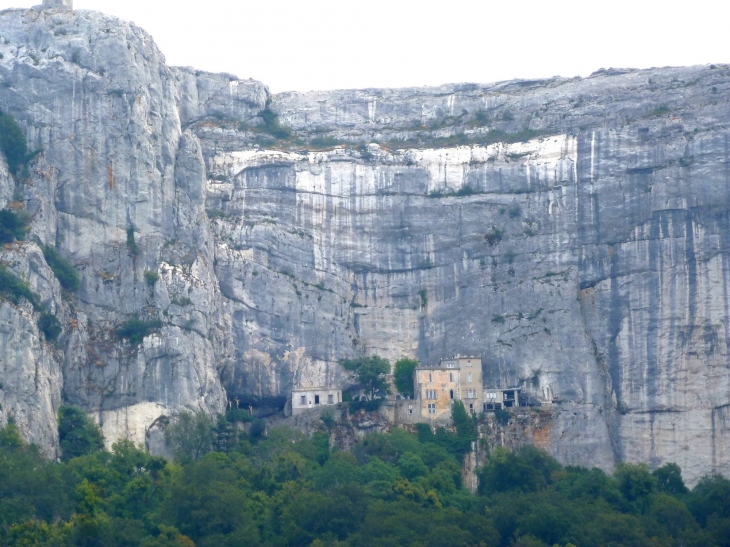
(118, 188)
(31, 379)
(571, 231)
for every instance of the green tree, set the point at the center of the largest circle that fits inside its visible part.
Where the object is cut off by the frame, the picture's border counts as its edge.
(636, 484)
(529, 541)
(208, 504)
(672, 514)
(669, 479)
(370, 372)
(710, 498)
(403, 376)
(10, 436)
(191, 435)
(77, 434)
(411, 466)
(169, 537)
(529, 469)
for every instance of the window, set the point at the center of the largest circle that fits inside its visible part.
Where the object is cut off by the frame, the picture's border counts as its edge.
(471, 408)
(430, 377)
(468, 363)
(410, 409)
(449, 365)
(316, 399)
(451, 376)
(470, 377)
(431, 394)
(451, 393)
(431, 408)
(303, 400)
(330, 400)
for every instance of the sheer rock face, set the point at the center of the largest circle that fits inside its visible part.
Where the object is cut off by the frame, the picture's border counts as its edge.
(118, 188)
(30, 367)
(587, 264)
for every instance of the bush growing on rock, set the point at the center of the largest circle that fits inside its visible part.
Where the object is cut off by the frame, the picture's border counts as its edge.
(50, 326)
(13, 288)
(151, 277)
(135, 329)
(62, 268)
(13, 225)
(131, 243)
(272, 126)
(12, 142)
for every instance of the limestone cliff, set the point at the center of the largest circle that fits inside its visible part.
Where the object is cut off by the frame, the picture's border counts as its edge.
(572, 231)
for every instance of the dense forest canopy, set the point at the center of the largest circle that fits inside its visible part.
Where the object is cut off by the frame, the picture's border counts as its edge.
(279, 487)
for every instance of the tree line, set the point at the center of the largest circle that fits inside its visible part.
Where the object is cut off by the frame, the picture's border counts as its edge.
(279, 487)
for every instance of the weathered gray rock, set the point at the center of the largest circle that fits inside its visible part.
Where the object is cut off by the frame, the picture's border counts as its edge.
(587, 263)
(7, 185)
(30, 366)
(604, 249)
(94, 93)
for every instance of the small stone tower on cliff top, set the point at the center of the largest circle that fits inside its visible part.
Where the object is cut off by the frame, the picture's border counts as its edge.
(59, 4)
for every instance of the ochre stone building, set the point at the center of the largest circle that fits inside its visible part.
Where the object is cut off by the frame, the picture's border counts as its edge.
(436, 387)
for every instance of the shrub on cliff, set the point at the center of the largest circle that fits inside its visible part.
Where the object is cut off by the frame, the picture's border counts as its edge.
(272, 125)
(13, 225)
(50, 326)
(12, 142)
(13, 288)
(62, 268)
(135, 330)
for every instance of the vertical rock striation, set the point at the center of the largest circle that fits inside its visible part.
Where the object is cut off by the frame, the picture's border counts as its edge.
(571, 231)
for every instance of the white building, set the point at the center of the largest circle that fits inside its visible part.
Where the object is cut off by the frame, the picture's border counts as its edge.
(497, 398)
(311, 397)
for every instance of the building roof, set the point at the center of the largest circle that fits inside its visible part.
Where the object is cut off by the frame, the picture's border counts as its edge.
(315, 389)
(436, 367)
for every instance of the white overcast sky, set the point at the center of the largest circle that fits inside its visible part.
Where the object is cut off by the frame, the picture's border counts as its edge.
(331, 44)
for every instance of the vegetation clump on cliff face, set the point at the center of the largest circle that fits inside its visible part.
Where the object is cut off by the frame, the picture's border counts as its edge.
(284, 488)
(62, 268)
(15, 290)
(135, 329)
(12, 142)
(13, 225)
(272, 125)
